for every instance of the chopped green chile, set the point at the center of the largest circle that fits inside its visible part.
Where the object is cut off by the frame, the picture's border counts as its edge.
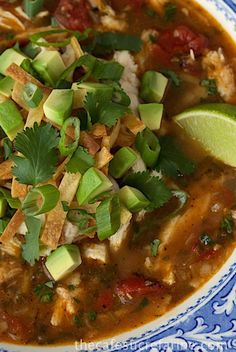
(108, 217)
(32, 95)
(148, 146)
(40, 200)
(69, 148)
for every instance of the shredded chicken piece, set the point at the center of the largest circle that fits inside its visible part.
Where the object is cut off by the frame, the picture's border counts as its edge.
(113, 23)
(129, 80)
(64, 306)
(96, 251)
(217, 68)
(119, 239)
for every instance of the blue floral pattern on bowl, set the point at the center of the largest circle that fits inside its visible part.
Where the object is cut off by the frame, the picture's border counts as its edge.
(204, 323)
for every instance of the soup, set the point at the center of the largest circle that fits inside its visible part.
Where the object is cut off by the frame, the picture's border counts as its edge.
(110, 214)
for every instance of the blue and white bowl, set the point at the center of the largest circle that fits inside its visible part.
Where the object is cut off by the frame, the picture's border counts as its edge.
(207, 320)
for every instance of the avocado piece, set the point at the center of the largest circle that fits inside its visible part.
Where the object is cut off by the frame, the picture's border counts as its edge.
(9, 57)
(49, 66)
(93, 183)
(153, 86)
(58, 106)
(6, 86)
(80, 161)
(82, 89)
(123, 160)
(3, 207)
(11, 120)
(63, 261)
(151, 114)
(133, 199)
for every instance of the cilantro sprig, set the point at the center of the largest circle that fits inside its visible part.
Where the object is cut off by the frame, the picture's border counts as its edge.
(151, 186)
(172, 161)
(30, 249)
(38, 147)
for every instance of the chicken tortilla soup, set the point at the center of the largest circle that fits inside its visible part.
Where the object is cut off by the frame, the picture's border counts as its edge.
(117, 163)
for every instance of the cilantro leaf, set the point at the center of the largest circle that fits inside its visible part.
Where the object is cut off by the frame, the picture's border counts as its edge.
(30, 250)
(227, 224)
(151, 186)
(172, 76)
(172, 161)
(45, 291)
(38, 146)
(170, 11)
(101, 109)
(210, 84)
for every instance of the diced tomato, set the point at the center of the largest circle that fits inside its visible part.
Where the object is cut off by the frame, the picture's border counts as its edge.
(181, 39)
(17, 326)
(74, 14)
(105, 299)
(136, 286)
(207, 255)
(161, 56)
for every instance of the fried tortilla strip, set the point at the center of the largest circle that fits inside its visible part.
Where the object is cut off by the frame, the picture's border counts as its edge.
(98, 131)
(133, 123)
(88, 142)
(5, 170)
(17, 96)
(103, 157)
(21, 76)
(60, 168)
(18, 190)
(11, 229)
(37, 114)
(56, 217)
(76, 47)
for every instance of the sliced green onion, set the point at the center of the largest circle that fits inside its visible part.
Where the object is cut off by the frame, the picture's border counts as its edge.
(108, 217)
(14, 203)
(3, 225)
(148, 146)
(35, 38)
(32, 95)
(67, 149)
(32, 7)
(80, 161)
(40, 200)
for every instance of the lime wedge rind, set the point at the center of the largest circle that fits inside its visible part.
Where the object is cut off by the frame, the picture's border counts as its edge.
(214, 127)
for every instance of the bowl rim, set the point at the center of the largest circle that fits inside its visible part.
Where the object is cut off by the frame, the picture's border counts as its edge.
(224, 11)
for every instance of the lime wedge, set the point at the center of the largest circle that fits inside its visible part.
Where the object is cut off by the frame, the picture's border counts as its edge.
(214, 126)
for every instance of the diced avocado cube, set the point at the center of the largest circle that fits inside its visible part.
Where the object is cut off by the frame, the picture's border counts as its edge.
(6, 86)
(9, 57)
(151, 115)
(63, 261)
(93, 183)
(58, 106)
(49, 66)
(3, 207)
(133, 199)
(153, 86)
(82, 89)
(80, 161)
(10, 119)
(123, 160)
